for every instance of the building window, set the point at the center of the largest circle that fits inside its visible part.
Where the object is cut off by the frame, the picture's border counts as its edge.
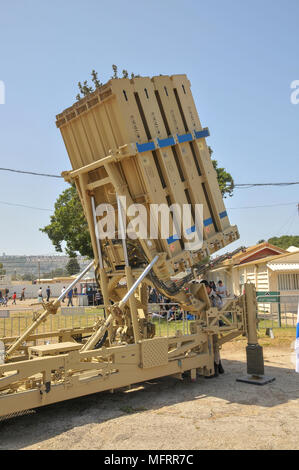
(288, 281)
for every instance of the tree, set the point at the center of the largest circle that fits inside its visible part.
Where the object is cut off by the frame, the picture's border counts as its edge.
(58, 272)
(86, 89)
(68, 225)
(114, 68)
(73, 267)
(94, 78)
(225, 179)
(285, 241)
(27, 277)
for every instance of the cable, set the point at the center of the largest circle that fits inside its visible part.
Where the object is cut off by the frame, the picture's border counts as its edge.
(237, 185)
(30, 173)
(287, 225)
(228, 208)
(23, 205)
(269, 205)
(252, 185)
(275, 233)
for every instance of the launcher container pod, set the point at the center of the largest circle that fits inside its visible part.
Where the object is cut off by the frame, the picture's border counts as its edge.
(139, 138)
(142, 138)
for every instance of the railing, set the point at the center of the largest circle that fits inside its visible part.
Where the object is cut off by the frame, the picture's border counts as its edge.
(272, 314)
(278, 311)
(168, 321)
(69, 317)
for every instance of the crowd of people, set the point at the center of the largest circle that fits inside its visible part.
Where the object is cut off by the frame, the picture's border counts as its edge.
(217, 294)
(94, 295)
(4, 297)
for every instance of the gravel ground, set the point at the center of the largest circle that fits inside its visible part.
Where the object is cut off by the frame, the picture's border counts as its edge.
(219, 413)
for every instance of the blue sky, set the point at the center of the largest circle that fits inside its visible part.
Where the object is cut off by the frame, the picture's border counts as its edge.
(240, 57)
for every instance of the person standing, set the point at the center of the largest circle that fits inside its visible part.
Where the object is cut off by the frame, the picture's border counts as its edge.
(40, 295)
(62, 291)
(14, 297)
(221, 291)
(212, 285)
(48, 292)
(215, 302)
(70, 297)
(153, 297)
(75, 295)
(23, 294)
(98, 297)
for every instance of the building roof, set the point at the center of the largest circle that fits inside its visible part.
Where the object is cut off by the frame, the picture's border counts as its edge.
(283, 266)
(240, 258)
(268, 259)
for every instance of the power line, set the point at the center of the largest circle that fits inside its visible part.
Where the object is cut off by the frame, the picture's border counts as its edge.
(23, 205)
(30, 173)
(228, 208)
(268, 205)
(282, 227)
(253, 185)
(237, 185)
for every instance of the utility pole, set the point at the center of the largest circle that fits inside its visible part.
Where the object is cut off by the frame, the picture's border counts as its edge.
(39, 271)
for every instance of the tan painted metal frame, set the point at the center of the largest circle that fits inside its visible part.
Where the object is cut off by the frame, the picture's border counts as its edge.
(141, 139)
(62, 371)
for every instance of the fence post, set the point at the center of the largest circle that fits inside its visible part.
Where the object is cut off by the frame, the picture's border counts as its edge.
(279, 313)
(254, 352)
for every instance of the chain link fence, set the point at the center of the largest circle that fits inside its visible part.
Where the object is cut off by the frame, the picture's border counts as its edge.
(278, 311)
(13, 324)
(167, 317)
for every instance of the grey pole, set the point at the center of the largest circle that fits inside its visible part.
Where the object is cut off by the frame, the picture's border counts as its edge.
(96, 232)
(137, 282)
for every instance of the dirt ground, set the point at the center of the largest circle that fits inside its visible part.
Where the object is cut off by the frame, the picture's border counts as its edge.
(166, 413)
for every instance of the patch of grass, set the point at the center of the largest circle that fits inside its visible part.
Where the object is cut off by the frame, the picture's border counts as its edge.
(283, 337)
(165, 328)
